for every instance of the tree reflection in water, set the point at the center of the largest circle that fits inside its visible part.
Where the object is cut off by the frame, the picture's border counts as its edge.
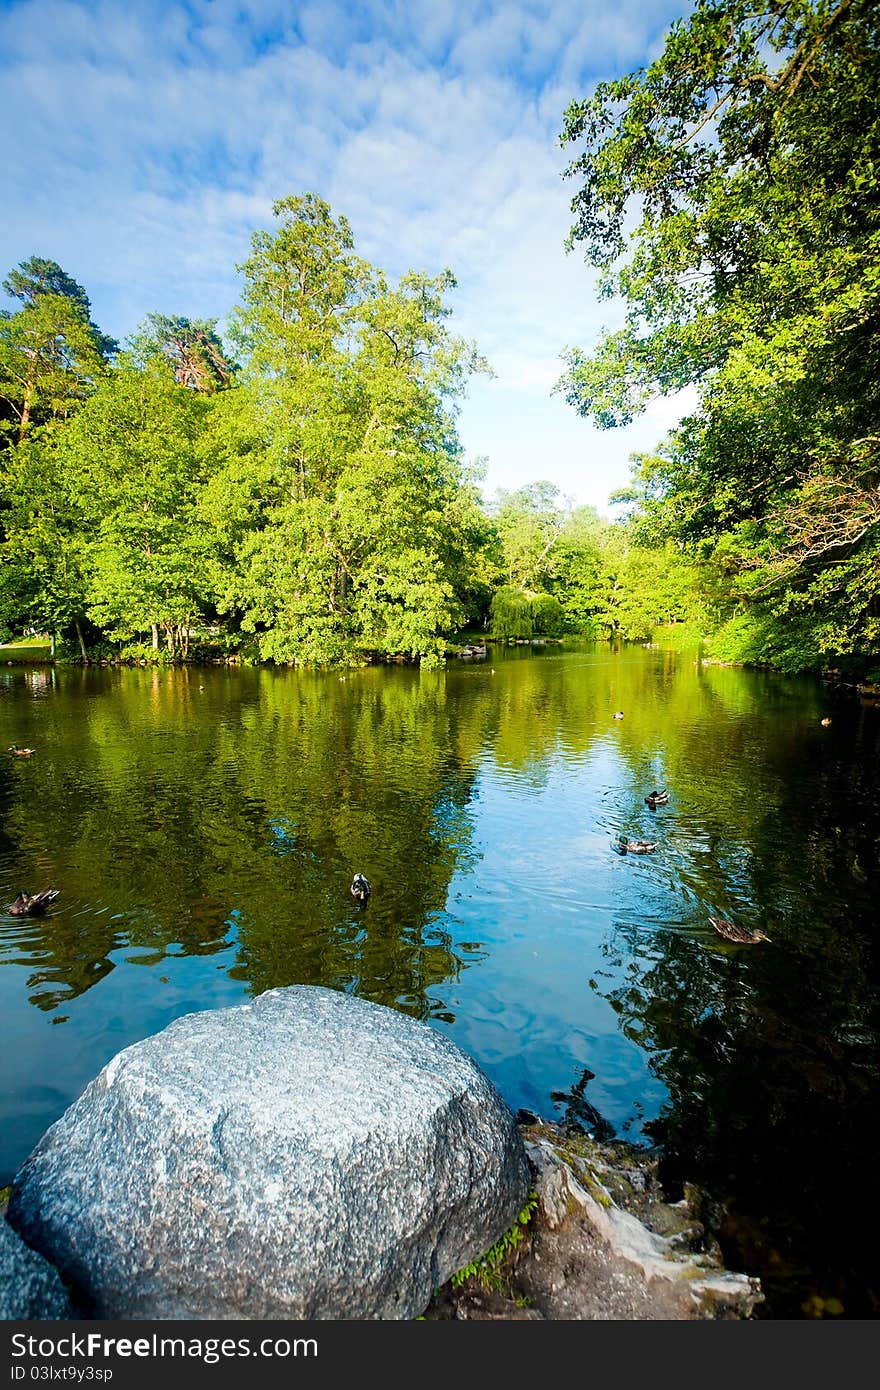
(204, 840)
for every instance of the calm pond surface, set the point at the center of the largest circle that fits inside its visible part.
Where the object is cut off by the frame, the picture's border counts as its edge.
(203, 827)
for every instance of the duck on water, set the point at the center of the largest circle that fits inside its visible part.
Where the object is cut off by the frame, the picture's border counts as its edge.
(32, 904)
(743, 936)
(360, 888)
(657, 798)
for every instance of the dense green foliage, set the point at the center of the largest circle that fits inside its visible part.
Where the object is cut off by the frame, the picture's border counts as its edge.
(522, 613)
(312, 498)
(358, 492)
(299, 496)
(747, 159)
(51, 354)
(297, 492)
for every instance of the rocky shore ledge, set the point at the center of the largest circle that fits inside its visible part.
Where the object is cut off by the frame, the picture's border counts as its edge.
(601, 1242)
(311, 1155)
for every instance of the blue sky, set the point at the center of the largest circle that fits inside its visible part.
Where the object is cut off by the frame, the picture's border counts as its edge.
(144, 142)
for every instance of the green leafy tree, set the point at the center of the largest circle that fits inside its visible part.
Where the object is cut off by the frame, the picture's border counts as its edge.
(322, 505)
(529, 523)
(521, 613)
(131, 459)
(48, 363)
(51, 354)
(355, 382)
(43, 545)
(192, 347)
(585, 570)
(37, 276)
(747, 158)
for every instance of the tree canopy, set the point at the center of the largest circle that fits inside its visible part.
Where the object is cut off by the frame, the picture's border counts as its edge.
(292, 487)
(353, 546)
(730, 193)
(192, 347)
(309, 502)
(51, 354)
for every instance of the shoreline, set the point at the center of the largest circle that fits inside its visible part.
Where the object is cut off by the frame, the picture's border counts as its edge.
(468, 653)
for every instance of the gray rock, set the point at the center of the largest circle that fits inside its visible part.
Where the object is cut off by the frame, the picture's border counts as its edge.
(308, 1155)
(29, 1287)
(664, 1277)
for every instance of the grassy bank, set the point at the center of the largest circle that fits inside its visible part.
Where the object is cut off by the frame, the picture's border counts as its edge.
(26, 649)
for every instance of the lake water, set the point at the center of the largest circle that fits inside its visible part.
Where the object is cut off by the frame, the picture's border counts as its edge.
(203, 827)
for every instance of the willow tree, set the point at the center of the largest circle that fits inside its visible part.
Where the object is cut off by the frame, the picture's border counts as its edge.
(351, 542)
(730, 192)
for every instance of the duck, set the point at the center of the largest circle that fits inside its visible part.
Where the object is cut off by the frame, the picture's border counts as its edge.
(21, 752)
(625, 846)
(741, 935)
(32, 904)
(360, 888)
(618, 715)
(825, 722)
(657, 798)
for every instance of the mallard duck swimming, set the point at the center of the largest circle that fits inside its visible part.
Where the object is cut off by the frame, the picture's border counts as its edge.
(625, 846)
(731, 932)
(638, 847)
(360, 888)
(657, 798)
(32, 904)
(21, 752)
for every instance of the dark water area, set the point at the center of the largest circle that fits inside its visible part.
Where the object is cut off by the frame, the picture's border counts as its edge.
(203, 827)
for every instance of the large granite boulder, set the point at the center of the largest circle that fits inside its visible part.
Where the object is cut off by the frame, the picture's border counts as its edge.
(29, 1287)
(308, 1155)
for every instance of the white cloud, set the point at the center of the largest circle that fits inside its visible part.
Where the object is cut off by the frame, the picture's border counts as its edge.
(539, 437)
(144, 143)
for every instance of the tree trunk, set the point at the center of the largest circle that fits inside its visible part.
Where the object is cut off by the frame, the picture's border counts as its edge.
(154, 633)
(25, 418)
(82, 644)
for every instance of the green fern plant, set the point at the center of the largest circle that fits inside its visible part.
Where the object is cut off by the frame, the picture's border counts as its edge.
(487, 1271)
